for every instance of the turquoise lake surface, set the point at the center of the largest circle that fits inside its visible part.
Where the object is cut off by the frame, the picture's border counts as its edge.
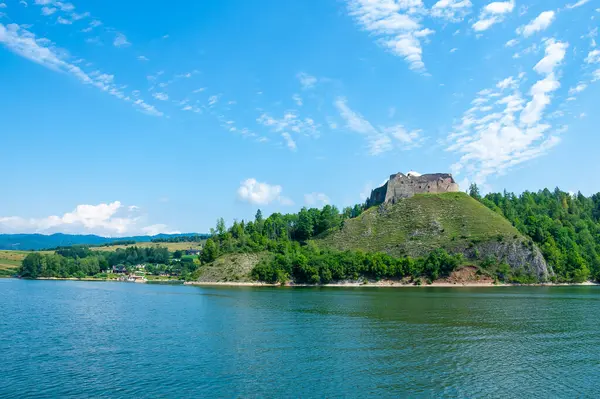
(123, 340)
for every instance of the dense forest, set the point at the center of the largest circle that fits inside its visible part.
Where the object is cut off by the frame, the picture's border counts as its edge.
(566, 227)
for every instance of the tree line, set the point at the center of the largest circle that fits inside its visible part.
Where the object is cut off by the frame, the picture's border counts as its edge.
(311, 265)
(186, 238)
(565, 226)
(81, 261)
(263, 234)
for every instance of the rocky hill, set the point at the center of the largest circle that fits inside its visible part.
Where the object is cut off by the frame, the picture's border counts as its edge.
(453, 221)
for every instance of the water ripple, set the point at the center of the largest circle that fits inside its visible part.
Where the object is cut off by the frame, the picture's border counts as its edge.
(79, 340)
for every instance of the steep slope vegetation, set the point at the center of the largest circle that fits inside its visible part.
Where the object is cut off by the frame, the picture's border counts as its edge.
(451, 221)
(230, 268)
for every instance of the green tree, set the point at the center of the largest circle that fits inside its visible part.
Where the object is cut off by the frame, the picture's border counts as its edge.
(258, 218)
(221, 228)
(474, 191)
(32, 266)
(210, 252)
(305, 226)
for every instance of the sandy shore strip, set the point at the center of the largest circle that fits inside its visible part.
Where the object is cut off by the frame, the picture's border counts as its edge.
(232, 283)
(383, 284)
(343, 284)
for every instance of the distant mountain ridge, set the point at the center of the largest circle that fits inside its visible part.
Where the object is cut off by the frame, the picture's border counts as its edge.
(42, 241)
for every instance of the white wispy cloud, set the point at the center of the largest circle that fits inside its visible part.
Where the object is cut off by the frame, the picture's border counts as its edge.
(381, 139)
(260, 193)
(540, 91)
(577, 89)
(555, 53)
(289, 141)
(397, 26)
(593, 57)
(452, 10)
(24, 43)
(212, 100)
(297, 99)
(540, 23)
(63, 21)
(120, 40)
(502, 129)
(49, 7)
(492, 14)
(143, 58)
(290, 122)
(316, 199)
(307, 81)
(577, 4)
(93, 24)
(112, 219)
(48, 10)
(76, 17)
(161, 96)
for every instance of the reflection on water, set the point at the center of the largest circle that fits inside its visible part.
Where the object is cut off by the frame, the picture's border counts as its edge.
(85, 339)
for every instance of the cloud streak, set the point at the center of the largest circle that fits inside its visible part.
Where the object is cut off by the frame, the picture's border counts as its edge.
(397, 26)
(502, 129)
(492, 14)
(540, 23)
(25, 44)
(379, 139)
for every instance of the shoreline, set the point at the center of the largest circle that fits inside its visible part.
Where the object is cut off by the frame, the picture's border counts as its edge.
(346, 284)
(104, 280)
(384, 284)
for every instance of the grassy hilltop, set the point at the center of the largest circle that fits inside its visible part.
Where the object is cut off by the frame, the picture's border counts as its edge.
(454, 222)
(420, 224)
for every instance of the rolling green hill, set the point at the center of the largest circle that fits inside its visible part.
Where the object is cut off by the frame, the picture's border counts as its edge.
(453, 221)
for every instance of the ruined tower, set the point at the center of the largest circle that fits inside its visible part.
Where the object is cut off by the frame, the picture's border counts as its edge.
(403, 185)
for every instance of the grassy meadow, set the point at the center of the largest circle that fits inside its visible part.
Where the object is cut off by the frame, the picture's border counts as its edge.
(172, 246)
(420, 224)
(10, 261)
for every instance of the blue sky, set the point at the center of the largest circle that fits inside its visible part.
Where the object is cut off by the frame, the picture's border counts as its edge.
(122, 118)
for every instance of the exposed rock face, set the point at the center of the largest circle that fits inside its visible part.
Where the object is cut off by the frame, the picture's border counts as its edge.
(518, 256)
(405, 186)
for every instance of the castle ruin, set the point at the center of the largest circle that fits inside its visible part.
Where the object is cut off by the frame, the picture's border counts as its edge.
(403, 185)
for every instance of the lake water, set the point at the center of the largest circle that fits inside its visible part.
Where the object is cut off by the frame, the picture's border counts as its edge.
(88, 339)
